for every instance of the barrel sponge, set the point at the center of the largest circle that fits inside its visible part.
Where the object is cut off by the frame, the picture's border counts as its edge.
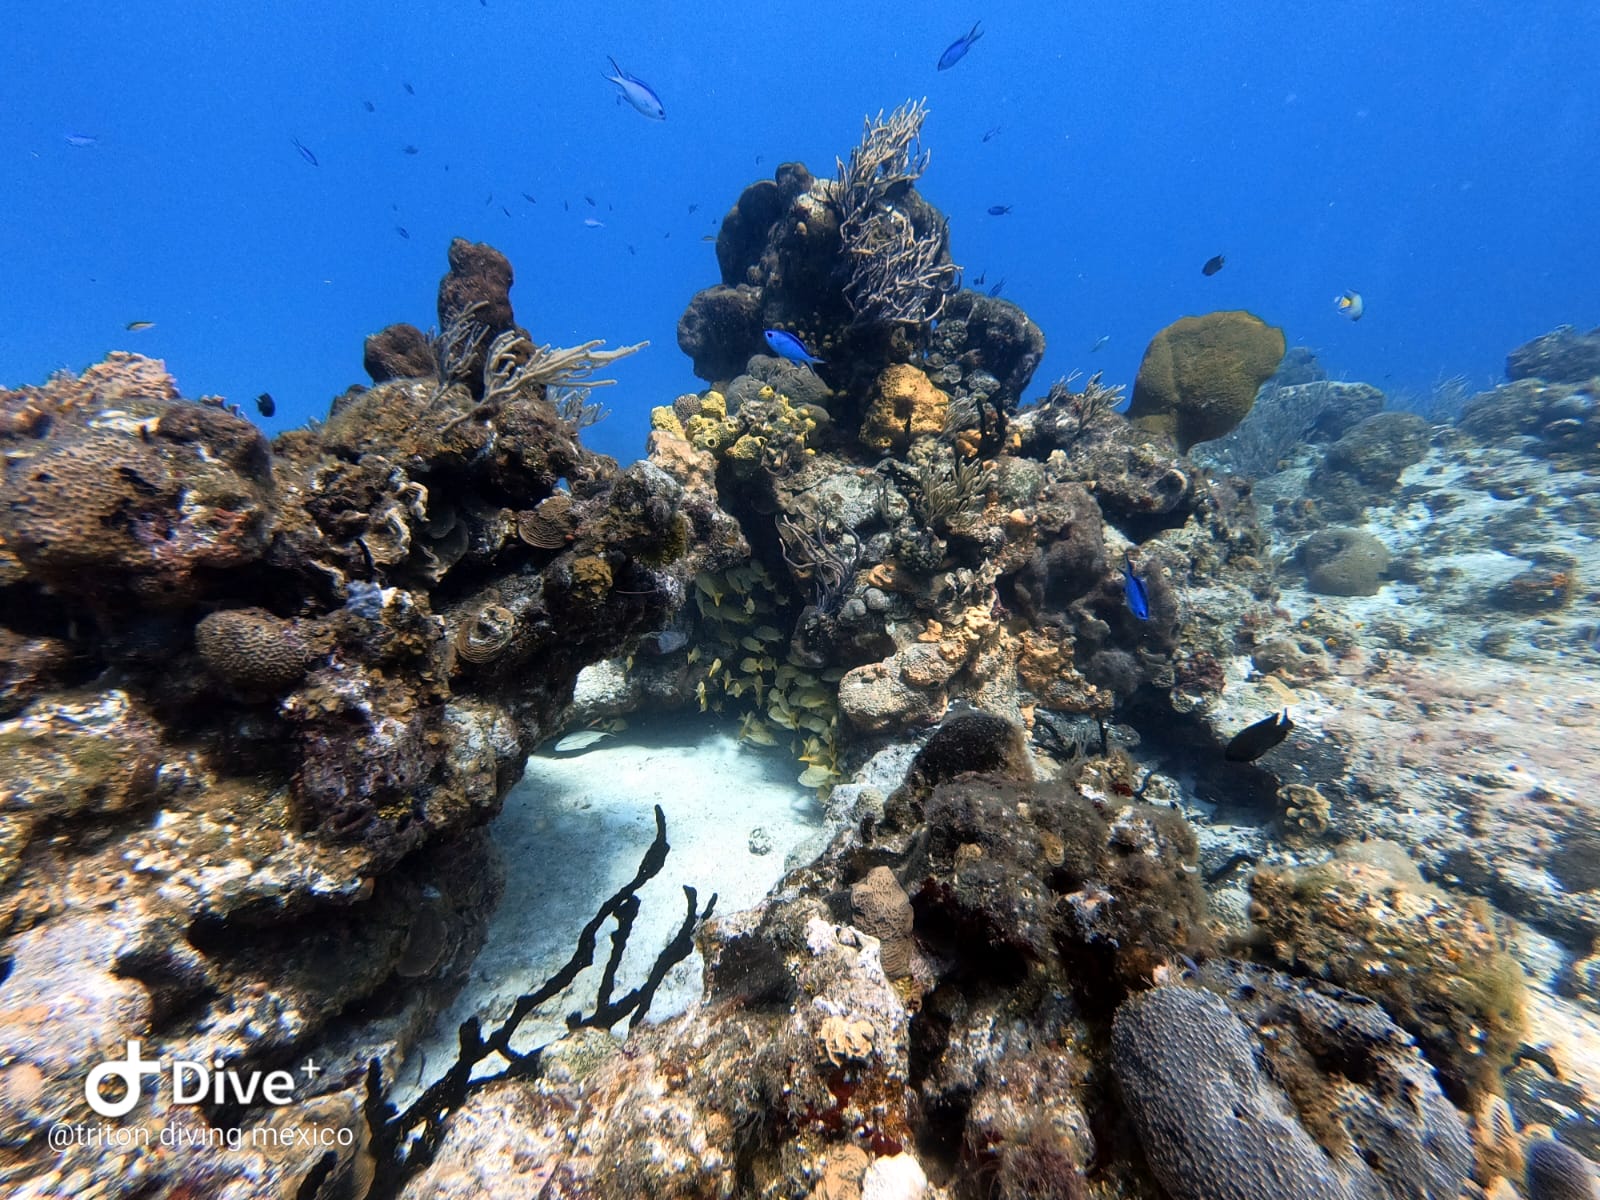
(1200, 375)
(251, 650)
(1556, 1172)
(1212, 1125)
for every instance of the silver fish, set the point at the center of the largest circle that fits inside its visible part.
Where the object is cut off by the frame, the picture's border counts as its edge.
(636, 92)
(581, 740)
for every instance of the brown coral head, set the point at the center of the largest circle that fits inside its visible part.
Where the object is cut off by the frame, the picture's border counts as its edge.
(486, 635)
(252, 650)
(551, 525)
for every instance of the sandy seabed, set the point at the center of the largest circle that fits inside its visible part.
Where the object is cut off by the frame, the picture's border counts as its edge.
(574, 830)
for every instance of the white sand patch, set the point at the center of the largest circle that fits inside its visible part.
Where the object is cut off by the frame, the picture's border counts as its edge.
(574, 831)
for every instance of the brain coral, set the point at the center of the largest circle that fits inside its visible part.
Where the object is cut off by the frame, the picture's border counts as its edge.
(1343, 562)
(1213, 1126)
(1285, 1090)
(879, 907)
(251, 650)
(101, 512)
(1200, 375)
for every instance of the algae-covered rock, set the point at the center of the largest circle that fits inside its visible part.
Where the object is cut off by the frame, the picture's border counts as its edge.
(1378, 449)
(400, 351)
(1343, 562)
(1436, 965)
(1200, 375)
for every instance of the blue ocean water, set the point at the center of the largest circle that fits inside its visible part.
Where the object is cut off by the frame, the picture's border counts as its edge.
(1445, 167)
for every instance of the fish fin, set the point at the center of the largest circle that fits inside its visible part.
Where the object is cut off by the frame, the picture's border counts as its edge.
(976, 32)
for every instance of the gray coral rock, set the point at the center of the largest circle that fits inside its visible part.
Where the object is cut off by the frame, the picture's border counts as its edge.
(1561, 356)
(1557, 1172)
(1209, 1090)
(1213, 1126)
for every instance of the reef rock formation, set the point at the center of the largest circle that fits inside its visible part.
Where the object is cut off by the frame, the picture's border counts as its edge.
(1561, 356)
(922, 535)
(252, 682)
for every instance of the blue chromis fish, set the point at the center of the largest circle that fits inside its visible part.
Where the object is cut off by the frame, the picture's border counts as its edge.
(999, 286)
(957, 50)
(1133, 590)
(82, 141)
(786, 345)
(1099, 343)
(1350, 304)
(305, 153)
(140, 326)
(999, 210)
(636, 92)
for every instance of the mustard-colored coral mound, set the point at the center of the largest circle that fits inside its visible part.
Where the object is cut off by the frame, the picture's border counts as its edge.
(1200, 375)
(905, 406)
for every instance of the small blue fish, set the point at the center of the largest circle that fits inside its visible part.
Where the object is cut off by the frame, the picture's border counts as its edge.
(990, 134)
(401, 230)
(636, 92)
(999, 210)
(1134, 591)
(82, 141)
(1100, 343)
(305, 153)
(786, 345)
(997, 288)
(957, 50)
(978, 282)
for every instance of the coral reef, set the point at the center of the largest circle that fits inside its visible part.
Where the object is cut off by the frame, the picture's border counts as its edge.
(1556, 420)
(253, 682)
(1200, 375)
(259, 701)
(1366, 463)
